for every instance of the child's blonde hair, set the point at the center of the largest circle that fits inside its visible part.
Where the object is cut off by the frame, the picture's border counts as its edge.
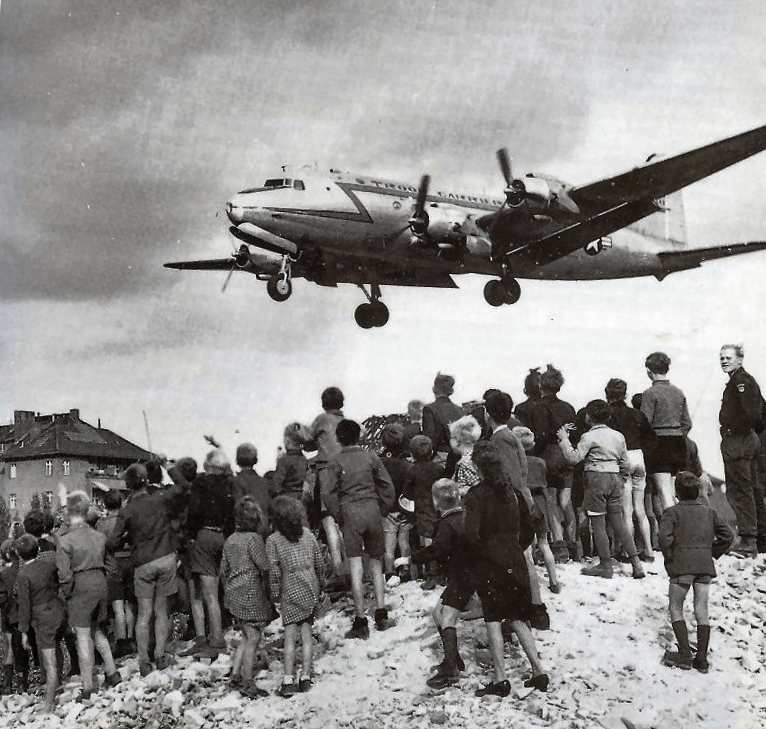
(465, 432)
(445, 493)
(78, 502)
(526, 436)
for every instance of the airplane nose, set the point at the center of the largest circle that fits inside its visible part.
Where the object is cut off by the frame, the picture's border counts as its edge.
(234, 212)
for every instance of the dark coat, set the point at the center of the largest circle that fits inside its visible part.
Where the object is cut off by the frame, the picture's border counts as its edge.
(437, 417)
(492, 529)
(741, 404)
(691, 535)
(211, 503)
(450, 548)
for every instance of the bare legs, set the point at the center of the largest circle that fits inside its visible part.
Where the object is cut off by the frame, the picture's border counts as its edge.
(209, 586)
(333, 543)
(663, 483)
(291, 636)
(49, 662)
(124, 619)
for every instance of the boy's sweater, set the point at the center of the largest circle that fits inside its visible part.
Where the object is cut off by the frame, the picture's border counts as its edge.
(357, 475)
(600, 449)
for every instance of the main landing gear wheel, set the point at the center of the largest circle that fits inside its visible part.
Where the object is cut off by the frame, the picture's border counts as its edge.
(279, 287)
(512, 290)
(499, 292)
(371, 315)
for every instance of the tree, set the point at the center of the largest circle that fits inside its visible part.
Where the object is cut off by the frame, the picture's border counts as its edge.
(5, 520)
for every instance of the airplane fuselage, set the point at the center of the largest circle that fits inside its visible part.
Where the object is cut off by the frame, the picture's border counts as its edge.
(367, 218)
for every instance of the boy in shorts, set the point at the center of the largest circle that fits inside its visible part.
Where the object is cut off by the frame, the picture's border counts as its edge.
(691, 536)
(358, 492)
(451, 550)
(82, 583)
(605, 458)
(40, 607)
(145, 524)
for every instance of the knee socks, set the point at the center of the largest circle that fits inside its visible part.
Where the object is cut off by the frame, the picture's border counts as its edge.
(682, 637)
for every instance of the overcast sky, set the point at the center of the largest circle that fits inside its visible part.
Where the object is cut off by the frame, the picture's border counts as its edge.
(126, 124)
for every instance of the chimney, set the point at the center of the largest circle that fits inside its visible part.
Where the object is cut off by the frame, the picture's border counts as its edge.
(22, 423)
(74, 414)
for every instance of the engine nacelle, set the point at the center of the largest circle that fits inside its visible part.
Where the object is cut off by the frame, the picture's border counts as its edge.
(242, 256)
(538, 191)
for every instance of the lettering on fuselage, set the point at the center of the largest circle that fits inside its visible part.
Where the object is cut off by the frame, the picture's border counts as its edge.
(393, 189)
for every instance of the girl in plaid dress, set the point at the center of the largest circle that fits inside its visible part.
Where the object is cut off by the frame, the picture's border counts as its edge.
(295, 579)
(244, 569)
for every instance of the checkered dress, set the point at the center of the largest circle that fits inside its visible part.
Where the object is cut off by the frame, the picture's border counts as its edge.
(244, 567)
(295, 575)
(466, 475)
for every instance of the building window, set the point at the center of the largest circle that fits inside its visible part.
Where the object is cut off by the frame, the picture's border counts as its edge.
(13, 470)
(49, 468)
(65, 466)
(11, 501)
(48, 500)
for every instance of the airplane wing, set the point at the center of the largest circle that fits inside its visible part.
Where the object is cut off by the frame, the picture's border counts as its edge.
(660, 178)
(610, 204)
(692, 258)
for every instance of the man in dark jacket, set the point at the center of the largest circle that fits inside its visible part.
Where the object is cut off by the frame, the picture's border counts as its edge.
(741, 414)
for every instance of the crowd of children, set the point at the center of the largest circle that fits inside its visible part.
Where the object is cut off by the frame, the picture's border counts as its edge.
(471, 506)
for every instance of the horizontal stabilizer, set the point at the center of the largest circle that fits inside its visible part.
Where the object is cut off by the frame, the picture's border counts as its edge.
(692, 258)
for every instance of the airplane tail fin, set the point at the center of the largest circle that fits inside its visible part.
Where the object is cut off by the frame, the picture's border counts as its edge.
(669, 225)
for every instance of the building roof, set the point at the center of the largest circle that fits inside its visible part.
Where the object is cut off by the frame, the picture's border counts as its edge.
(6, 433)
(66, 435)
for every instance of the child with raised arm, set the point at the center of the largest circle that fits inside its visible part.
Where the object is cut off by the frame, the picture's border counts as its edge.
(245, 571)
(605, 457)
(691, 536)
(295, 579)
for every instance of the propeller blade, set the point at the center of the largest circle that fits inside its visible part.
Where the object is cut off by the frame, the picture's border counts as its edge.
(228, 278)
(505, 165)
(495, 220)
(420, 204)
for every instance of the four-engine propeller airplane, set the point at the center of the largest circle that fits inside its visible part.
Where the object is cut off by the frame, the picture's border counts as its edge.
(345, 228)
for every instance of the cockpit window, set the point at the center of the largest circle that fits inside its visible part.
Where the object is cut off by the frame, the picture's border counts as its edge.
(278, 183)
(275, 184)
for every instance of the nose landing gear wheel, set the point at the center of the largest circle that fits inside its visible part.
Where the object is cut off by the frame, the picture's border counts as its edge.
(279, 287)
